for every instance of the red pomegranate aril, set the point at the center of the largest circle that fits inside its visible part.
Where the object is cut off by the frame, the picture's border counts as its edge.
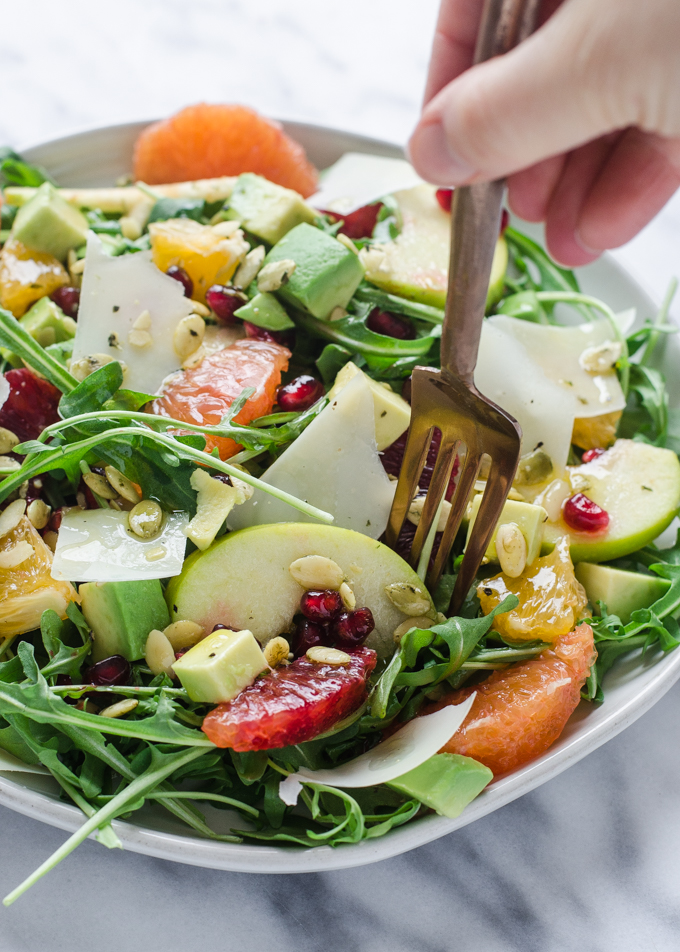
(393, 457)
(68, 299)
(322, 606)
(55, 520)
(31, 405)
(179, 274)
(590, 455)
(583, 515)
(300, 394)
(285, 338)
(390, 325)
(109, 672)
(308, 634)
(219, 627)
(352, 628)
(444, 197)
(505, 220)
(224, 301)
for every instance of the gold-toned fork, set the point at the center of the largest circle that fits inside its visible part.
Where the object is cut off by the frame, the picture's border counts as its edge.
(472, 427)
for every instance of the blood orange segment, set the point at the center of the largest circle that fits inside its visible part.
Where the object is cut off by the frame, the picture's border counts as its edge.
(204, 394)
(291, 705)
(209, 141)
(518, 713)
(31, 405)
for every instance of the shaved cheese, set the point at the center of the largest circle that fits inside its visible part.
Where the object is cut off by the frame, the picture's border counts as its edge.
(4, 390)
(334, 465)
(358, 179)
(95, 546)
(115, 294)
(410, 747)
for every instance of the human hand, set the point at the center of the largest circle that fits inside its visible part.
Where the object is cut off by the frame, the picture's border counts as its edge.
(583, 118)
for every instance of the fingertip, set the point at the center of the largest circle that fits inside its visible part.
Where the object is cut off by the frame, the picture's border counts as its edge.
(433, 158)
(565, 247)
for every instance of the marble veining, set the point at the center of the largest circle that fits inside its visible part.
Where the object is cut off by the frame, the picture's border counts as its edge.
(586, 862)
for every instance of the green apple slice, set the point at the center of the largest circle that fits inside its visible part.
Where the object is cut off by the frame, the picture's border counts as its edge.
(243, 579)
(638, 485)
(415, 265)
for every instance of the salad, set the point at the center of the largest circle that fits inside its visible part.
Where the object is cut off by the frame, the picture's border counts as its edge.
(204, 405)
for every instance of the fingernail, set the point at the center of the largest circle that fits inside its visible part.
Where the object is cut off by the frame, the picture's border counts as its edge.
(433, 158)
(584, 247)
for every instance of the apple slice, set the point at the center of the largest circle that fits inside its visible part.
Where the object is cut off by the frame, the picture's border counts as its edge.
(638, 485)
(243, 579)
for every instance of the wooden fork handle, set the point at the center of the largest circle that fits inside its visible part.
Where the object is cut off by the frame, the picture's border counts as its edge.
(476, 210)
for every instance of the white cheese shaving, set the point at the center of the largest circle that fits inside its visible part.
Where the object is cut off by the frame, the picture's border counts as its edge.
(4, 390)
(358, 179)
(95, 545)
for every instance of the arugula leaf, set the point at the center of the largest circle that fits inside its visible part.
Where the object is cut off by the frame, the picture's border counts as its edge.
(64, 658)
(648, 389)
(128, 400)
(15, 337)
(367, 294)
(351, 333)
(553, 277)
(178, 208)
(92, 392)
(17, 171)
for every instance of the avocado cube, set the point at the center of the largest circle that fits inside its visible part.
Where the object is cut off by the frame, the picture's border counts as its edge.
(47, 323)
(392, 413)
(265, 311)
(265, 209)
(622, 592)
(121, 615)
(48, 223)
(221, 666)
(445, 782)
(326, 275)
(528, 517)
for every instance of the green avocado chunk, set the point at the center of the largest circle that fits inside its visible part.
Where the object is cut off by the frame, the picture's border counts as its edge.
(622, 592)
(47, 323)
(265, 209)
(445, 782)
(49, 224)
(121, 615)
(265, 311)
(327, 272)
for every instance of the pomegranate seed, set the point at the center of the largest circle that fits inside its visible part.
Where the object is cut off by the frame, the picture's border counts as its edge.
(223, 301)
(359, 223)
(64, 679)
(179, 274)
(352, 628)
(68, 299)
(35, 487)
(505, 220)
(444, 196)
(590, 455)
(393, 456)
(223, 628)
(307, 634)
(300, 394)
(55, 520)
(31, 405)
(90, 501)
(178, 654)
(109, 672)
(321, 606)
(584, 515)
(390, 325)
(285, 338)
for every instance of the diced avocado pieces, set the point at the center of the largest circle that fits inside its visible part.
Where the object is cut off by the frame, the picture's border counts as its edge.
(326, 272)
(392, 412)
(221, 666)
(622, 592)
(265, 209)
(445, 782)
(47, 323)
(48, 223)
(528, 517)
(121, 615)
(265, 311)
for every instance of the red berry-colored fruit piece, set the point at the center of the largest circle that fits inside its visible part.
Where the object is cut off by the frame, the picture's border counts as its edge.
(31, 405)
(393, 457)
(285, 338)
(353, 628)
(444, 197)
(291, 704)
(224, 302)
(322, 606)
(109, 672)
(179, 274)
(590, 455)
(309, 634)
(68, 299)
(390, 325)
(584, 515)
(505, 220)
(300, 394)
(359, 223)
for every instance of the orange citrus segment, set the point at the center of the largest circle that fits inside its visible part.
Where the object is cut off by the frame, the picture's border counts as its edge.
(597, 432)
(207, 257)
(204, 394)
(208, 141)
(518, 713)
(27, 275)
(27, 589)
(551, 600)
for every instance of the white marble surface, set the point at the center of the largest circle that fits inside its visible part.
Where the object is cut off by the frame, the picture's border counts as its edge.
(589, 861)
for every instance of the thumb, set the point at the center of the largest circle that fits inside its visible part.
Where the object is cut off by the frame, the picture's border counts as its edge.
(545, 97)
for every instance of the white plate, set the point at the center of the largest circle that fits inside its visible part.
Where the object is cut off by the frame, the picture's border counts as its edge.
(98, 158)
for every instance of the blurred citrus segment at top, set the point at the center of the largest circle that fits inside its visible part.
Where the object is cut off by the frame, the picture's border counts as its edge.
(207, 257)
(204, 394)
(551, 600)
(26, 276)
(26, 587)
(210, 140)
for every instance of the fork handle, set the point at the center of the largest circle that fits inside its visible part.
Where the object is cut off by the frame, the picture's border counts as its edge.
(476, 210)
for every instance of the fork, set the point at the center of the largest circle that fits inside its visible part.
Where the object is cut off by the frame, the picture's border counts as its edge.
(473, 429)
